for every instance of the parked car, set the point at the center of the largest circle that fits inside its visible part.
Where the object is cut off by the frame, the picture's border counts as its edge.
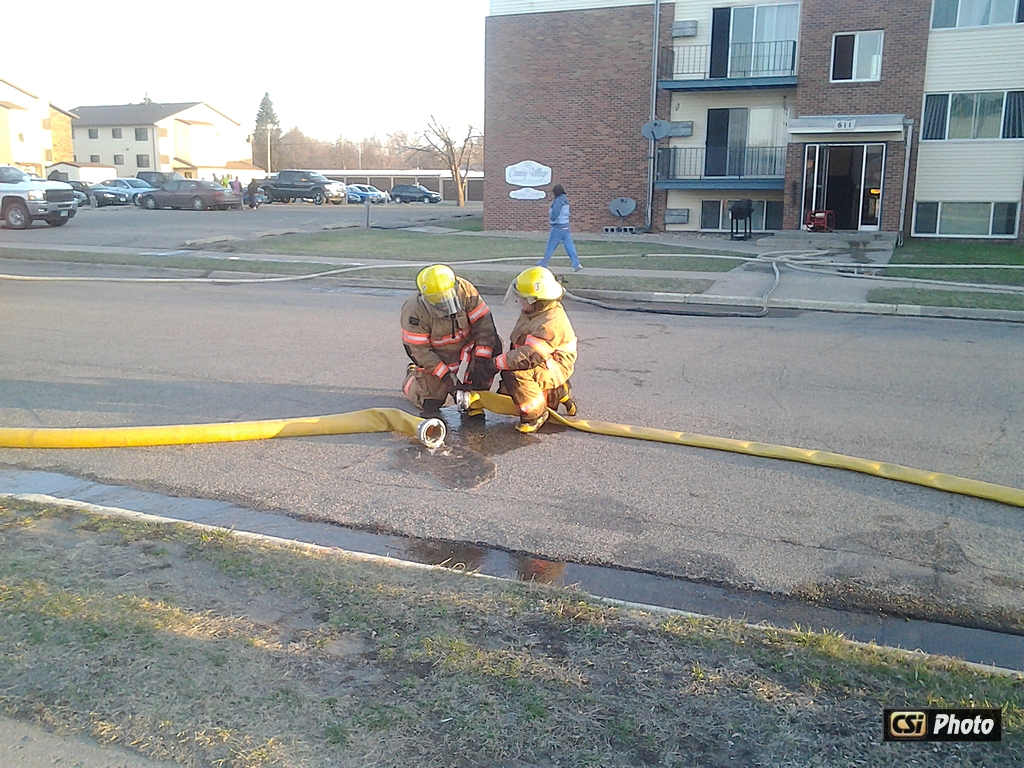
(141, 187)
(157, 179)
(190, 193)
(247, 199)
(82, 188)
(411, 193)
(302, 185)
(24, 200)
(358, 193)
(134, 188)
(111, 192)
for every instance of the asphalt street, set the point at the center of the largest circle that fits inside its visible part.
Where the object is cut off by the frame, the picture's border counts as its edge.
(940, 395)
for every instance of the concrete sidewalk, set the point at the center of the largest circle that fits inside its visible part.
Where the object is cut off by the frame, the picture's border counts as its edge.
(746, 285)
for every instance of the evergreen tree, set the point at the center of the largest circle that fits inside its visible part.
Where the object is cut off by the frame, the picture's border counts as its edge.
(267, 129)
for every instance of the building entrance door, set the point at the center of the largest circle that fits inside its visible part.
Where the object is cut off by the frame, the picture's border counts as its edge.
(845, 179)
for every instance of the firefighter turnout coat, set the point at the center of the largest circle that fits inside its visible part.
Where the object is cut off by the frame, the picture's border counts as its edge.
(439, 345)
(541, 357)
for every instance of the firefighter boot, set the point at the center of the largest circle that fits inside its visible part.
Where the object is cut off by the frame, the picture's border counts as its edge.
(562, 396)
(527, 427)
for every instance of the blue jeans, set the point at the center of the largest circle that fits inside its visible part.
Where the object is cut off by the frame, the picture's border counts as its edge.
(560, 235)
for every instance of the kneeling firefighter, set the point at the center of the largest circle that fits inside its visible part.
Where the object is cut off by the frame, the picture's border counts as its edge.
(445, 325)
(535, 371)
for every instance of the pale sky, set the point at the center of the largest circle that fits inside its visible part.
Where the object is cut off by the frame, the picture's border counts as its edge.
(351, 68)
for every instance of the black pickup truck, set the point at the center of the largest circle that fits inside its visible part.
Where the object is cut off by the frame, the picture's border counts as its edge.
(286, 186)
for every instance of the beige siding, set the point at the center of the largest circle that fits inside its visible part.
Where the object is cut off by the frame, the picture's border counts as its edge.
(699, 11)
(990, 171)
(986, 58)
(512, 7)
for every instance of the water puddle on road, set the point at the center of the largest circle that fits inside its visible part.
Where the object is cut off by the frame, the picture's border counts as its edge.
(973, 645)
(464, 461)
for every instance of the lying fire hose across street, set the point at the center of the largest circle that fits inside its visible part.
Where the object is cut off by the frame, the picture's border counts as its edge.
(431, 432)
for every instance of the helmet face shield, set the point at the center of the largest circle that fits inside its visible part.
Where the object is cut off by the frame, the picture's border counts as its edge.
(444, 303)
(513, 297)
(438, 288)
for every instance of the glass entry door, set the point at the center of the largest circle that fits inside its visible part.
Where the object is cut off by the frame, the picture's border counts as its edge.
(845, 179)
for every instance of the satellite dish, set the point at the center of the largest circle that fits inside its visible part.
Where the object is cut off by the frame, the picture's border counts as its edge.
(656, 129)
(622, 206)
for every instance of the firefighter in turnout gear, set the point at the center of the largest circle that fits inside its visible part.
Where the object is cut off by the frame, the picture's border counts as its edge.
(444, 325)
(535, 371)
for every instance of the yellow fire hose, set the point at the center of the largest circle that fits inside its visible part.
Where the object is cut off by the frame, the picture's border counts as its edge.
(431, 432)
(951, 483)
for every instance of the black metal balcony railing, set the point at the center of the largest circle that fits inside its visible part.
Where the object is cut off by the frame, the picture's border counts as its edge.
(713, 162)
(697, 62)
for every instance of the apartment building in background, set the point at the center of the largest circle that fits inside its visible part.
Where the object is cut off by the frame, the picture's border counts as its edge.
(33, 132)
(192, 138)
(970, 176)
(857, 106)
(731, 70)
(881, 114)
(568, 85)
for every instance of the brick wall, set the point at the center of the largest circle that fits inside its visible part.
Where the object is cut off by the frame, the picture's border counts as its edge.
(900, 90)
(60, 131)
(571, 90)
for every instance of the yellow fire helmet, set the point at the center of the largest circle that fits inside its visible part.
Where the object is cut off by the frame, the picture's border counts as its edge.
(439, 289)
(538, 284)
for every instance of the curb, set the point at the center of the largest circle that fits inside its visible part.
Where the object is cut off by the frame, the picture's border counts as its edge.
(656, 297)
(145, 517)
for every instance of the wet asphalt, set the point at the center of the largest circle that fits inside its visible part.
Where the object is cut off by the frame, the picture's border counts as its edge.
(935, 394)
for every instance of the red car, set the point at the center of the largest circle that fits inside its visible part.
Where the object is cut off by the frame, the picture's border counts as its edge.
(190, 193)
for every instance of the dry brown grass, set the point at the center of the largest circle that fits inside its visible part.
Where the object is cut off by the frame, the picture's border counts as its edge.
(209, 650)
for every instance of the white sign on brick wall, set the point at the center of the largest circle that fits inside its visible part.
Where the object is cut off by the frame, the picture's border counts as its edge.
(526, 193)
(528, 174)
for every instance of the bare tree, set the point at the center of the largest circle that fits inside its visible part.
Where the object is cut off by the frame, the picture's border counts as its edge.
(438, 142)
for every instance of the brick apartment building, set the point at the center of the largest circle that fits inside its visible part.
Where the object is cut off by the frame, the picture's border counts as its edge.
(801, 107)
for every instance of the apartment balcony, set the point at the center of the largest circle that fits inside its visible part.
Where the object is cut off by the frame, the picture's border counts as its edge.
(732, 67)
(721, 168)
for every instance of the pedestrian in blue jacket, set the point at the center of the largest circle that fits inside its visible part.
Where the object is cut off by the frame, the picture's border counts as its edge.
(559, 219)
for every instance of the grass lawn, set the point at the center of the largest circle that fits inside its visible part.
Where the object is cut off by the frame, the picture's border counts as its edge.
(205, 648)
(937, 298)
(391, 244)
(200, 263)
(950, 252)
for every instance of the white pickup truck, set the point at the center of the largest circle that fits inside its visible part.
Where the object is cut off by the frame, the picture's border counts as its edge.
(24, 199)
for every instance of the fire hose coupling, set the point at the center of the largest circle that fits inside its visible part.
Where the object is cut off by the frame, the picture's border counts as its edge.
(431, 432)
(462, 400)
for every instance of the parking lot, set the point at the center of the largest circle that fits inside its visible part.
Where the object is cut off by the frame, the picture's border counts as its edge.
(129, 226)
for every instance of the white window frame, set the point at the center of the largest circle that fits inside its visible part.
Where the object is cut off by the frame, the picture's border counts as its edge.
(949, 109)
(758, 8)
(856, 49)
(959, 9)
(938, 222)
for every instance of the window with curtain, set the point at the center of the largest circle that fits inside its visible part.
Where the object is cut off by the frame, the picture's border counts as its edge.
(947, 14)
(933, 127)
(1013, 117)
(984, 115)
(761, 37)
